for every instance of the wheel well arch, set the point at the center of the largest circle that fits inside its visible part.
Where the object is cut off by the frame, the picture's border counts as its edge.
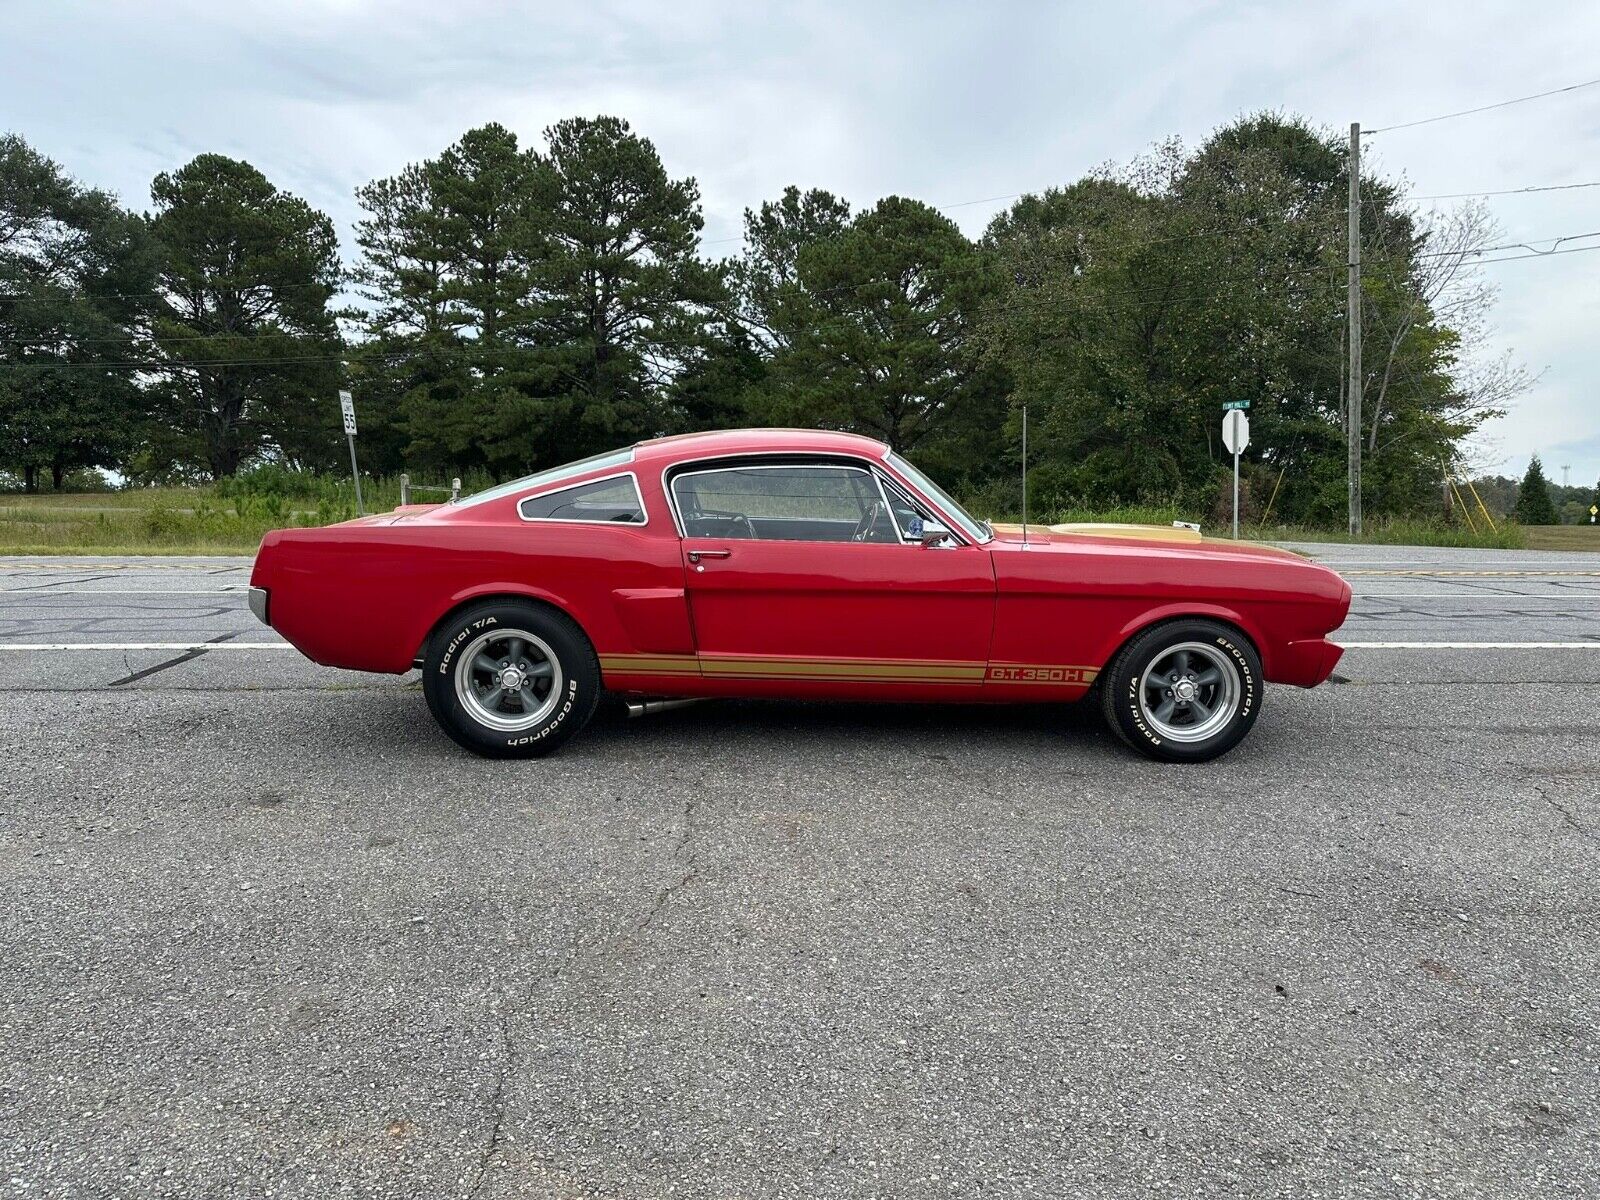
(493, 596)
(1154, 620)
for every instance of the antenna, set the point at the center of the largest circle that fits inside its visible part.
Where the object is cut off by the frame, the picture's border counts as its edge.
(1024, 474)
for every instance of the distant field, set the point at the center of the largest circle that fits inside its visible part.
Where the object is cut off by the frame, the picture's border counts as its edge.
(198, 521)
(1563, 537)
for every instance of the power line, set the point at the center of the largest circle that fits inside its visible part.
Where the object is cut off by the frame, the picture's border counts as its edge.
(1551, 187)
(1021, 303)
(1051, 256)
(1467, 112)
(358, 294)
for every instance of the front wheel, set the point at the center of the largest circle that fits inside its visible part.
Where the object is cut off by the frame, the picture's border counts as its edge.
(507, 679)
(1185, 691)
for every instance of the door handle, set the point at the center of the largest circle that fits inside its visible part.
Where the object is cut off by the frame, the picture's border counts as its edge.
(696, 555)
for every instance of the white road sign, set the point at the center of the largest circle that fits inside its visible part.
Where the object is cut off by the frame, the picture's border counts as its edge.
(348, 407)
(1235, 431)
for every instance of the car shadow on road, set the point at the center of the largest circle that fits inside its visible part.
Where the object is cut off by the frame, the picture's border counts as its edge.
(846, 720)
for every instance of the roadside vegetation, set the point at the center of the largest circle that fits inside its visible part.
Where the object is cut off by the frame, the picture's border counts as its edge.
(233, 516)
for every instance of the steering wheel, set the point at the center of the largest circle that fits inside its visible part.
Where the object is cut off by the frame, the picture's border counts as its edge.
(868, 520)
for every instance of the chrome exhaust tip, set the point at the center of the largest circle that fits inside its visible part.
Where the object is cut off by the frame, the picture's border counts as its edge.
(640, 708)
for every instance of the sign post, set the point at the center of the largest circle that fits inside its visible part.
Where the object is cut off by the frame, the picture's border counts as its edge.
(1235, 436)
(1594, 511)
(347, 406)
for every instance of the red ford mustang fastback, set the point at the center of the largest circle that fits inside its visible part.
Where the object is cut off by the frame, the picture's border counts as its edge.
(791, 563)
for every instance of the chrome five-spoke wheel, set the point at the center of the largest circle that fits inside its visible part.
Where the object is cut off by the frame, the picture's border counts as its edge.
(1185, 690)
(1188, 693)
(508, 679)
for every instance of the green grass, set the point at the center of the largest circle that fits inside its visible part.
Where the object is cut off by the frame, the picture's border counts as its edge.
(233, 517)
(1401, 531)
(1563, 537)
(152, 521)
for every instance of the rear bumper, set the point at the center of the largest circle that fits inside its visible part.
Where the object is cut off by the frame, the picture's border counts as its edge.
(258, 604)
(1305, 663)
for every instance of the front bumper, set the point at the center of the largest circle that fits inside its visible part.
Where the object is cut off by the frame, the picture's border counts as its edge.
(1305, 663)
(258, 604)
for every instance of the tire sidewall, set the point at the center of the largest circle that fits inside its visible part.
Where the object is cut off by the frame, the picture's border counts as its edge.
(580, 672)
(1125, 708)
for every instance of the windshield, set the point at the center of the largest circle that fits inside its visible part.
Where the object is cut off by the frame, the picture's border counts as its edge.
(975, 531)
(597, 462)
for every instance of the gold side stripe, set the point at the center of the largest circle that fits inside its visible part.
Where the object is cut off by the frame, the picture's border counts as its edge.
(715, 665)
(852, 670)
(974, 680)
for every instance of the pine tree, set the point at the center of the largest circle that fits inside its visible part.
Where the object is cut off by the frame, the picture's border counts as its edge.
(249, 344)
(1534, 506)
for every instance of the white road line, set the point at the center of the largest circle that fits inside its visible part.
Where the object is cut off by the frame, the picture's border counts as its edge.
(1568, 597)
(35, 646)
(1471, 645)
(66, 591)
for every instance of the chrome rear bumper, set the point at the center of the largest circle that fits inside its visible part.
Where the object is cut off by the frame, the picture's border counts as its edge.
(258, 604)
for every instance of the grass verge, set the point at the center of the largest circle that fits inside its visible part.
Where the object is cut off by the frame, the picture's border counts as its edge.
(208, 520)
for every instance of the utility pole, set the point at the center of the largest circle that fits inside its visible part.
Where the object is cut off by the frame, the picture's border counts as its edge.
(1353, 316)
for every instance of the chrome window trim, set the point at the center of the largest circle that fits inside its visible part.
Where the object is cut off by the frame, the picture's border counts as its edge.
(625, 456)
(632, 477)
(846, 462)
(955, 527)
(955, 533)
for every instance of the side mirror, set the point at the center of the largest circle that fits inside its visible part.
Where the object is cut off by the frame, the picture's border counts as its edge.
(934, 534)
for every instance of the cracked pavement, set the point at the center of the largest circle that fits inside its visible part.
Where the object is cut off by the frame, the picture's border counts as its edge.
(268, 932)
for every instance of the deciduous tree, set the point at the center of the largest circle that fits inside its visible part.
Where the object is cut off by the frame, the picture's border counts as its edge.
(75, 273)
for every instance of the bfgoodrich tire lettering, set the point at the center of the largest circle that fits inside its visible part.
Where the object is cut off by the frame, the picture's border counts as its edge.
(1183, 691)
(508, 679)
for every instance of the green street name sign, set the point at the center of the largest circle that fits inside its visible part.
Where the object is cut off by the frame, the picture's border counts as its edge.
(1227, 404)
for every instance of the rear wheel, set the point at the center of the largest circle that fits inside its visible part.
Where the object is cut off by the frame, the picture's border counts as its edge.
(1185, 691)
(508, 679)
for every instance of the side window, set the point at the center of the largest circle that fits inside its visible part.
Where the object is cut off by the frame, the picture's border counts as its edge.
(788, 503)
(616, 499)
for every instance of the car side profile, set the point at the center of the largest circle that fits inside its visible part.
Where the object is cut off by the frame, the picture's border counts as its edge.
(792, 564)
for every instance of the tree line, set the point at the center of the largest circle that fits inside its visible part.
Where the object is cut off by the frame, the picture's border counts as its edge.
(512, 306)
(1535, 500)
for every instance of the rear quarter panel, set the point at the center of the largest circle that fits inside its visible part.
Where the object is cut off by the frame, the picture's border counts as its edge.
(366, 597)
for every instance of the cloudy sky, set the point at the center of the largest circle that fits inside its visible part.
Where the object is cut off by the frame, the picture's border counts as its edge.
(951, 103)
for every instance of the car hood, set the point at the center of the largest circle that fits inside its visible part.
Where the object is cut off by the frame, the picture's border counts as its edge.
(1165, 536)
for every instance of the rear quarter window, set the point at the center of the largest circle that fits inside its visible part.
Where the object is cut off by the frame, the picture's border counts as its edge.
(605, 501)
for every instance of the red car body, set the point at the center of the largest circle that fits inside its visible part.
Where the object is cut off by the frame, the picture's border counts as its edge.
(1012, 618)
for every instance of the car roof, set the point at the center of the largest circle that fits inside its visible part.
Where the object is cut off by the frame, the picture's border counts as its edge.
(719, 443)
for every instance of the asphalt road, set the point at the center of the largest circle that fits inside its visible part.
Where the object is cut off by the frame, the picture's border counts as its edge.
(266, 932)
